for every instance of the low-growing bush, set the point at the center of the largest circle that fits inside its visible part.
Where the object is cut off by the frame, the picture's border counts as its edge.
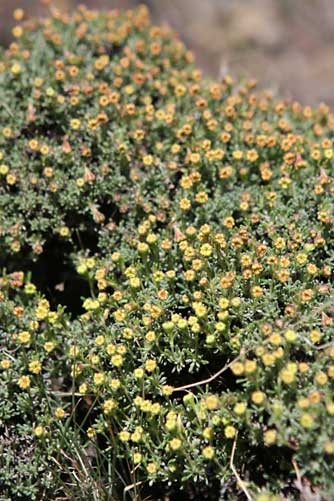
(192, 222)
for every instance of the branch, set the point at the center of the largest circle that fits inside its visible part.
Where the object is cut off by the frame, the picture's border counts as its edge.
(236, 474)
(211, 378)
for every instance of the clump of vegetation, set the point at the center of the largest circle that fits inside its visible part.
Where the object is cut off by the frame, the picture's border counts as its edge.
(195, 219)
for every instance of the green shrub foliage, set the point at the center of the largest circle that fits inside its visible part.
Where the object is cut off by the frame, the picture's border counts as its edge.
(197, 219)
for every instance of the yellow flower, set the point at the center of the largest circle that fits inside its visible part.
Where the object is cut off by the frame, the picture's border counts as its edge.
(98, 378)
(208, 452)
(148, 160)
(91, 304)
(270, 437)
(275, 339)
(170, 424)
(175, 444)
(258, 397)
(151, 468)
(5, 364)
(329, 447)
(115, 256)
(279, 243)
(142, 248)
(35, 367)
(184, 204)
(212, 402)
(201, 197)
(75, 123)
(64, 231)
(303, 403)
(252, 155)
(7, 132)
(81, 268)
(134, 282)
(150, 365)
(237, 368)
(301, 258)
(268, 359)
(290, 336)
(4, 169)
(229, 222)
(230, 431)
(330, 408)
(136, 436)
(151, 238)
(306, 420)
(24, 337)
(16, 68)
(208, 433)
(167, 390)
(150, 336)
(30, 288)
(39, 431)
(109, 405)
(42, 309)
(223, 303)
(59, 412)
(83, 388)
(321, 378)
(137, 457)
(240, 408)
(127, 334)
(44, 149)
(99, 340)
(287, 375)
(206, 250)
(115, 384)
(91, 432)
(139, 373)
(117, 360)
(256, 291)
(24, 382)
(200, 309)
(124, 436)
(303, 367)
(111, 348)
(155, 408)
(311, 269)
(237, 154)
(250, 366)
(315, 336)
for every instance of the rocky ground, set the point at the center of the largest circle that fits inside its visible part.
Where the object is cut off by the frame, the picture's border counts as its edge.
(286, 44)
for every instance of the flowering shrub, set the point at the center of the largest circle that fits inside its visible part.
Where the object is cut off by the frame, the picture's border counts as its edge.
(91, 123)
(199, 216)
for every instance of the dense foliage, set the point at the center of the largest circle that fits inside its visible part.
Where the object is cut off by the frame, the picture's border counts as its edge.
(192, 222)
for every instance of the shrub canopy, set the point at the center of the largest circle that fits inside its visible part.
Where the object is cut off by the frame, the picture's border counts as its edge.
(197, 219)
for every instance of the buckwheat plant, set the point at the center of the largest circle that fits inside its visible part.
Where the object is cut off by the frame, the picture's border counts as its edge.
(199, 216)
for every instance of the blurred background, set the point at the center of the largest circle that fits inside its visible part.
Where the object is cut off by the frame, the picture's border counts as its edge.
(287, 45)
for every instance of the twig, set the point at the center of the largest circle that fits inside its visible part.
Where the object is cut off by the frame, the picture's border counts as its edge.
(236, 474)
(297, 472)
(69, 394)
(132, 486)
(95, 489)
(211, 378)
(326, 345)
